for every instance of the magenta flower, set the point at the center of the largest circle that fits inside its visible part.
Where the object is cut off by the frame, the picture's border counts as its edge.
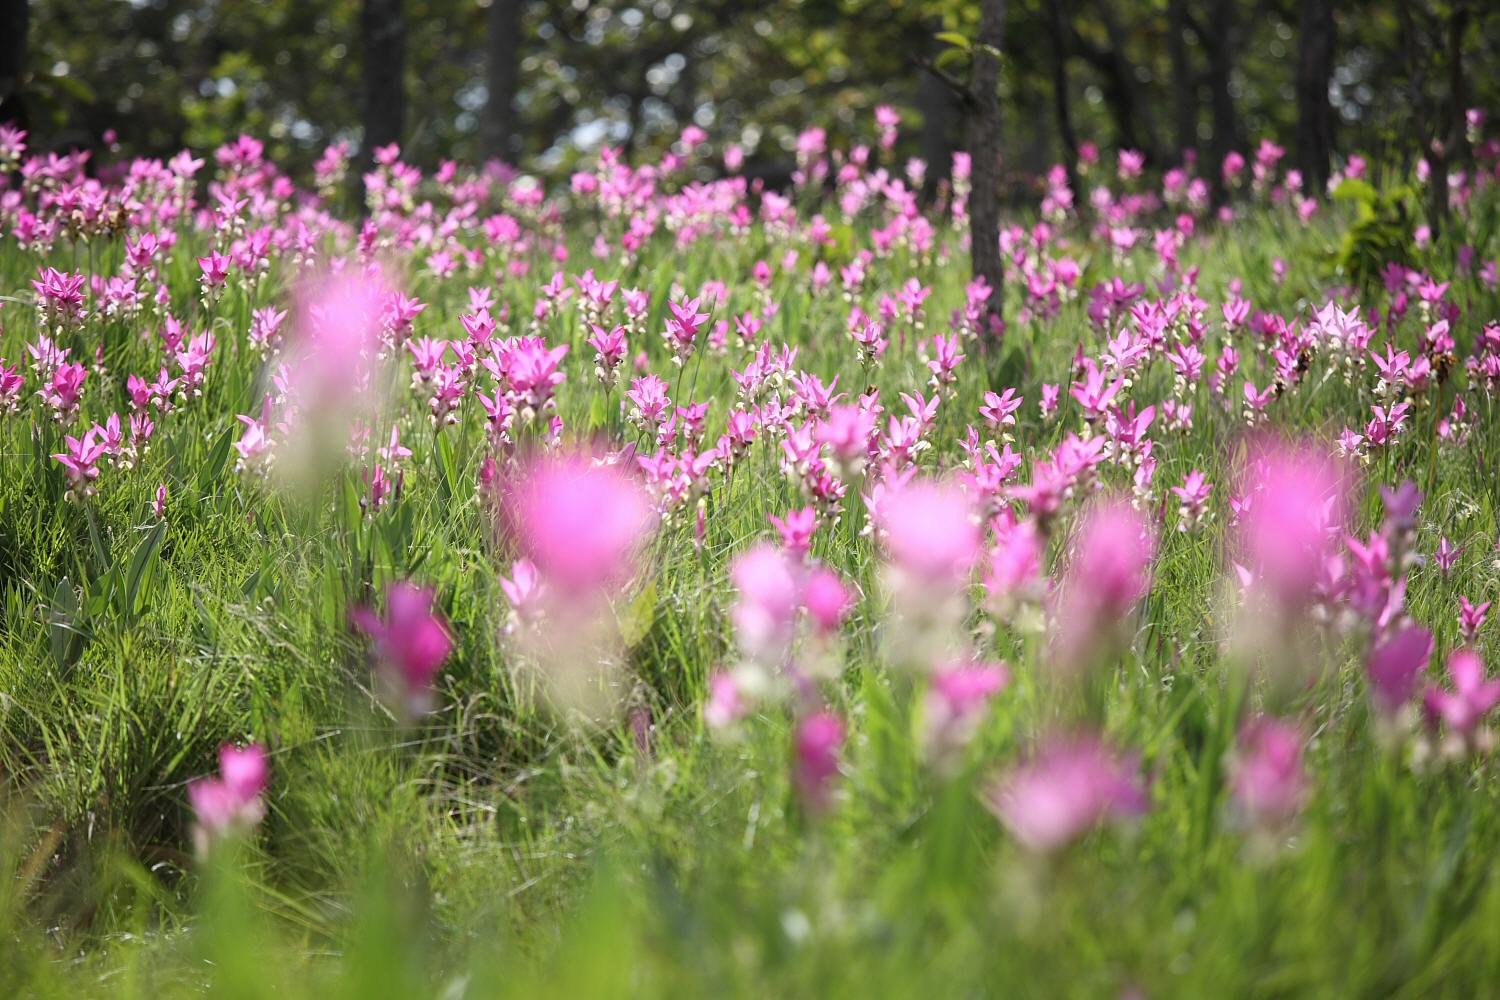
(1068, 787)
(231, 803)
(1472, 697)
(1395, 665)
(215, 268)
(826, 599)
(1446, 556)
(1015, 569)
(1267, 778)
(1471, 619)
(816, 744)
(159, 503)
(580, 522)
(957, 697)
(1193, 496)
(411, 642)
(80, 462)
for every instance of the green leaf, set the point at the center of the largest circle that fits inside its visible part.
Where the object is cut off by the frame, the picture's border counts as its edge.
(62, 613)
(144, 553)
(638, 617)
(209, 473)
(954, 38)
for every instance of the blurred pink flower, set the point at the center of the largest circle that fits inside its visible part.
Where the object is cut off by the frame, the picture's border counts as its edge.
(1288, 532)
(818, 740)
(765, 608)
(1395, 666)
(930, 532)
(580, 522)
(1069, 786)
(826, 598)
(232, 802)
(411, 643)
(1472, 697)
(1267, 777)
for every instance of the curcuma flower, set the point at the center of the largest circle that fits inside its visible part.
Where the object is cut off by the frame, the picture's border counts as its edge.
(1108, 572)
(411, 642)
(816, 745)
(580, 522)
(1395, 666)
(232, 803)
(1473, 697)
(1266, 777)
(1071, 785)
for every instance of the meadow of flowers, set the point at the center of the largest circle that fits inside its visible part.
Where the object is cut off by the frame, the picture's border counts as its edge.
(645, 583)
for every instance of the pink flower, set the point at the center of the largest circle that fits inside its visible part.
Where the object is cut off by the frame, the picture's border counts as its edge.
(159, 504)
(1069, 786)
(1446, 555)
(1193, 494)
(826, 599)
(957, 697)
(1472, 697)
(411, 643)
(1016, 563)
(1395, 665)
(1288, 532)
(765, 608)
(524, 590)
(796, 529)
(1109, 571)
(232, 802)
(816, 745)
(726, 704)
(1267, 778)
(215, 268)
(930, 532)
(1471, 619)
(580, 522)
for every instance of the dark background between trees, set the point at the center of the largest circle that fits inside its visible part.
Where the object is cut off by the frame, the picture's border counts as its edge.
(541, 83)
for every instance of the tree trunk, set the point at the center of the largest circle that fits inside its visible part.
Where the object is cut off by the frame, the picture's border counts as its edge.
(984, 150)
(504, 23)
(1061, 100)
(1314, 115)
(940, 112)
(383, 31)
(14, 25)
(1184, 82)
(1219, 40)
(1449, 140)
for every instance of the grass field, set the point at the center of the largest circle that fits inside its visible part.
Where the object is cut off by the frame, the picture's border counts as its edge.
(1201, 749)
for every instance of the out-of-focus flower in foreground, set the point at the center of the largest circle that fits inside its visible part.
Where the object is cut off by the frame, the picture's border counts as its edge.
(231, 803)
(1071, 785)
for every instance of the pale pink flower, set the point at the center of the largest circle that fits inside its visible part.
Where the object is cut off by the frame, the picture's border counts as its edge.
(765, 608)
(930, 532)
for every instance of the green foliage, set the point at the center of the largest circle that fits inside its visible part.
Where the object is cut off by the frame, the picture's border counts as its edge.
(1380, 233)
